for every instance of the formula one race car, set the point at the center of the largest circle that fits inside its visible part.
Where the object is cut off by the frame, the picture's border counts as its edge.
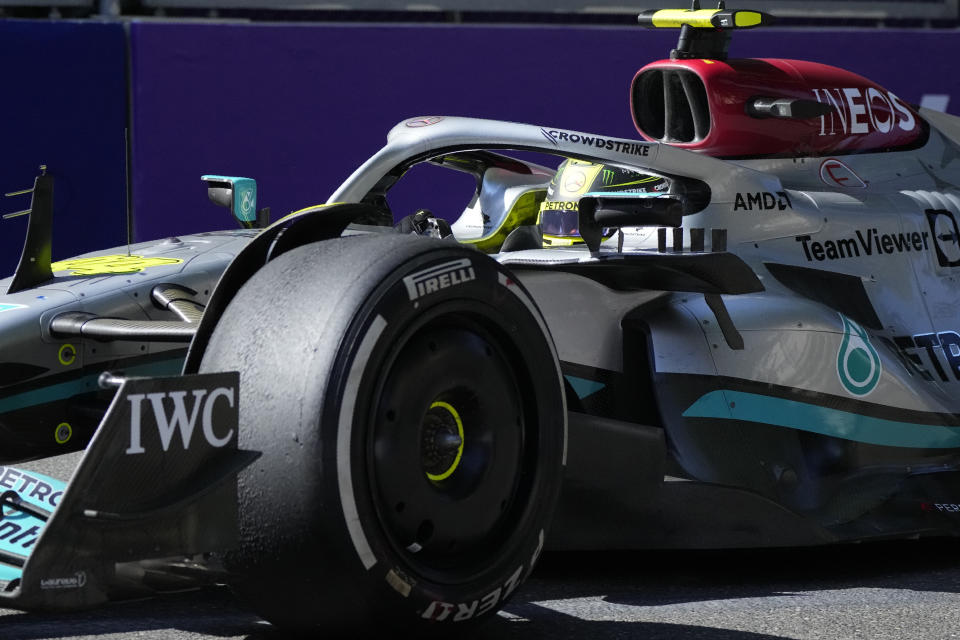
(742, 331)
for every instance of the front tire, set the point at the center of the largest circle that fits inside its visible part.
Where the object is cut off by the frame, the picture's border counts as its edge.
(409, 406)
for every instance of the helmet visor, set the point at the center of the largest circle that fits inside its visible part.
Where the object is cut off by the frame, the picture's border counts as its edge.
(559, 218)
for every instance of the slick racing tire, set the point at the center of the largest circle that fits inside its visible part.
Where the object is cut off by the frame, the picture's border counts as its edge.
(408, 404)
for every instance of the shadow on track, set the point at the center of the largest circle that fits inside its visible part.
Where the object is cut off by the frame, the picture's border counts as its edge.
(211, 613)
(660, 579)
(657, 578)
(625, 581)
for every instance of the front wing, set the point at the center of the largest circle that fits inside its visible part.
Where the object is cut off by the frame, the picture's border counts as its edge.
(157, 481)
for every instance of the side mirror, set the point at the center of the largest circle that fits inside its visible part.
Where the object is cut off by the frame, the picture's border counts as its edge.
(240, 195)
(609, 210)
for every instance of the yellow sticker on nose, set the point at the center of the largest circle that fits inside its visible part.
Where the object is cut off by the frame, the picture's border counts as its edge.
(106, 265)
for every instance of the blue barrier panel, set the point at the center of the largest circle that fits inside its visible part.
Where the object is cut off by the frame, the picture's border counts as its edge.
(64, 105)
(300, 106)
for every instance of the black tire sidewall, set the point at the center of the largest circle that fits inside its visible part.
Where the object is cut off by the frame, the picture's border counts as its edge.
(298, 563)
(495, 295)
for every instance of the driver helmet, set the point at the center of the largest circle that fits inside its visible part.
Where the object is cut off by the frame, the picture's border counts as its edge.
(575, 179)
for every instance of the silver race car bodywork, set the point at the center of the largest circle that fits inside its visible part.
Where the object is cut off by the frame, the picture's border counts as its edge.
(763, 352)
(844, 352)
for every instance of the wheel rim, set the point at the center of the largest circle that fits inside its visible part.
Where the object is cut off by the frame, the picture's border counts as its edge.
(447, 450)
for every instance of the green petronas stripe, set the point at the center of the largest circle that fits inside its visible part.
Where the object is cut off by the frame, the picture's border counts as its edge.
(84, 384)
(752, 407)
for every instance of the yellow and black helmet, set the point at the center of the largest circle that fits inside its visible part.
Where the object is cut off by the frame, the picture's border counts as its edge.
(577, 178)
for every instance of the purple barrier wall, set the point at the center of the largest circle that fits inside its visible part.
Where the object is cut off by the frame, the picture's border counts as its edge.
(63, 105)
(300, 106)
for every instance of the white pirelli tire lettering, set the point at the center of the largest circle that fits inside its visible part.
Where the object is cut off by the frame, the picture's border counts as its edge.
(439, 277)
(460, 611)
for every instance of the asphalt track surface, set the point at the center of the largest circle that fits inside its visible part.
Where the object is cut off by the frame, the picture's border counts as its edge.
(894, 590)
(873, 591)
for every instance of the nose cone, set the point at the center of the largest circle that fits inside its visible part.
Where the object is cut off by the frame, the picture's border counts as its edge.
(22, 316)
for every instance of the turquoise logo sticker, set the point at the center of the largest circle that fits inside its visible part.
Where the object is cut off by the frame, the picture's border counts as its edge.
(244, 199)
(20, 529)
(583, 387)
(858, 363)
(10, 307)
(247, 202)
